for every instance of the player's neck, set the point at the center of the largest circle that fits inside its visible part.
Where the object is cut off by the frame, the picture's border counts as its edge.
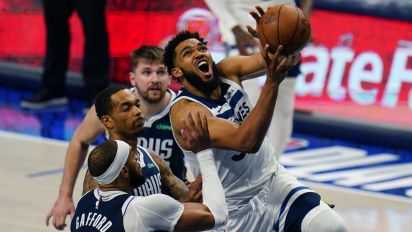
(115, 187)
(129, 139)
(214, 94)
(149, 109)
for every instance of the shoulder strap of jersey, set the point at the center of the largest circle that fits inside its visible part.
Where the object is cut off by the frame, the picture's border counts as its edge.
(145, 153)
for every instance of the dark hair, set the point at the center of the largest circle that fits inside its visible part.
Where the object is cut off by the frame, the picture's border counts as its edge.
(150, 53)
(169, 56)
(101, 157)
(103, 101)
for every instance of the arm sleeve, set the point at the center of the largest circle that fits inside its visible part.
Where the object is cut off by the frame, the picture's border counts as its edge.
(212, 189)
(155, 212)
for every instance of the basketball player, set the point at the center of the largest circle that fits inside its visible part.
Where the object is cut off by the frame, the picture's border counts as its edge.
(260, 194)
(149, 79)
(115, 166)
(232, 25)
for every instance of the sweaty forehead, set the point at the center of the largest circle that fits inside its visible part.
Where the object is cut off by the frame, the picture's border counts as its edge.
(122, 96)
(187, 43)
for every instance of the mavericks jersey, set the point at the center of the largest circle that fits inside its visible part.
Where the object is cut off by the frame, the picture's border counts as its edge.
(242, 174)
(93, 214)
(151, 171)
(158, 136)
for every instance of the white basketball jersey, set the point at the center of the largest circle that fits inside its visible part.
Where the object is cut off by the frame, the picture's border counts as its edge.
(242, 174)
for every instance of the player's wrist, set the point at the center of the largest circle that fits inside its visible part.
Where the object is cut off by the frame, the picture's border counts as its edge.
(65, 193)
(204, 153)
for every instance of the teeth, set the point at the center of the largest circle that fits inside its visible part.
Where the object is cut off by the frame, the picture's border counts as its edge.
(201, 63)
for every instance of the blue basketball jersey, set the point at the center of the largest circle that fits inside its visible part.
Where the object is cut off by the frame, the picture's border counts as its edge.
(93, 214)
(158, 136)
(151, 171)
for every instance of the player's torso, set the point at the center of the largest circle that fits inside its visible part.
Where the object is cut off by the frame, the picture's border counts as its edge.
(93, 214)
(241, 174)
(157, 136)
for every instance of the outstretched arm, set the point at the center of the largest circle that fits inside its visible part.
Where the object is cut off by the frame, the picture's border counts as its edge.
(85, 134)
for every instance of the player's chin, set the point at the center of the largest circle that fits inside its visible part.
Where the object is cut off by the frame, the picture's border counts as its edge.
(155, 97)
(138, 126)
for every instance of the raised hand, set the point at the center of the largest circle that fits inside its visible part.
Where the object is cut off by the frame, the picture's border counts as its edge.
(244, 41)
(195, 132)
(277, 65)
(257, 17)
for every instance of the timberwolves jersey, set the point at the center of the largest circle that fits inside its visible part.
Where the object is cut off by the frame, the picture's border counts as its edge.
(158, 136)
(242, 175)
(93, 214)
(151, 171)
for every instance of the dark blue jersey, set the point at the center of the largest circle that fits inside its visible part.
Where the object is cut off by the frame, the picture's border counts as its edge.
(93, 214)
(158, 136)
(151, 171)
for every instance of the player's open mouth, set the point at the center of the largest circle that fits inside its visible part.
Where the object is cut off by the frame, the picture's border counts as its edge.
(203, 67)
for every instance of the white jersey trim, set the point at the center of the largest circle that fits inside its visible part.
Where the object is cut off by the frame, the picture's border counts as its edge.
(126, 204)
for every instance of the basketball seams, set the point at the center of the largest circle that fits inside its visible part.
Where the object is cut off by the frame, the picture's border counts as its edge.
(296, 28)
(294, 39)
(278, 29)
(264, 34)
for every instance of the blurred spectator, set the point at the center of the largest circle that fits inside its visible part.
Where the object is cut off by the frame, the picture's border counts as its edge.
(96, 61)
(233, 16)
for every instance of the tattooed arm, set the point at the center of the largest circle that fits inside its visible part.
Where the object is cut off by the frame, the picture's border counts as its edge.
(171, 185)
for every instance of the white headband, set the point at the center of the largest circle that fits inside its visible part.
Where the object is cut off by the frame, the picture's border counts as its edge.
(120, 159)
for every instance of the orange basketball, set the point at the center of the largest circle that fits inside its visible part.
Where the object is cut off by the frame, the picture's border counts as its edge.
(284, 25)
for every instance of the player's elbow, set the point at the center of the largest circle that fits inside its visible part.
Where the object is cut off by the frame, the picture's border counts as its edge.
(249, 146)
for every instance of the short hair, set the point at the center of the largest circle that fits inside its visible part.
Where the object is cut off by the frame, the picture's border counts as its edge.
(169, 56)
(103, 101)
(101, 157)
(149, 53)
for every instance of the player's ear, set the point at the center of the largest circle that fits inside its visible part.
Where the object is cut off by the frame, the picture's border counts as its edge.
(125, 171)
(107, 122)
(132, 77)
(177, 73)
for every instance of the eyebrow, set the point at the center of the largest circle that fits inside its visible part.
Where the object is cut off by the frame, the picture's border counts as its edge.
(187, 47)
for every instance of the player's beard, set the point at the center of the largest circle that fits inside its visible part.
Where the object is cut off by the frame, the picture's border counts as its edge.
(199, 84)
(146, 97)
(136, 179)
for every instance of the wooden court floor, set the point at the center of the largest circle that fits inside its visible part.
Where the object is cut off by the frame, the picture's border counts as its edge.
(31, 169)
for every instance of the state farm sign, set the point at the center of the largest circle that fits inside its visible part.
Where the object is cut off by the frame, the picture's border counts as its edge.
(360, 62)
(342, 75)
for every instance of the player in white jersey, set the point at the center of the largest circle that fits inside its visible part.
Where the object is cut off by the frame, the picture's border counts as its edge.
(232, 19)
(260, 194)
(114, 165)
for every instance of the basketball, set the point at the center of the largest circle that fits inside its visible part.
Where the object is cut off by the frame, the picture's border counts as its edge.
(284, 25)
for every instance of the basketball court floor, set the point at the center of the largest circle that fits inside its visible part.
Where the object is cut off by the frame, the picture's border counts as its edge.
(33, 149)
